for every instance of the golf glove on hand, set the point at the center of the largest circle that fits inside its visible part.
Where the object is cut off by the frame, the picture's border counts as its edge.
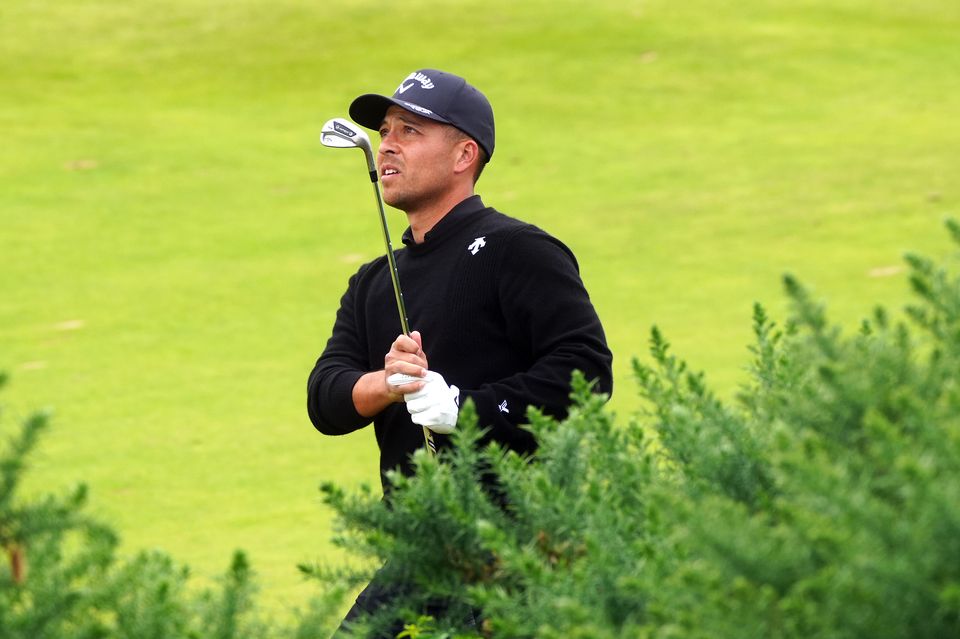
(436, 405)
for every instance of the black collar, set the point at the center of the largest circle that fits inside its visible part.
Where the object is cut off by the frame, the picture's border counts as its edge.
(448, 223)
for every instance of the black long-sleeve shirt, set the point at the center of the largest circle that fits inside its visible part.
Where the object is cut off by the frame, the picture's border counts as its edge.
(503, 314)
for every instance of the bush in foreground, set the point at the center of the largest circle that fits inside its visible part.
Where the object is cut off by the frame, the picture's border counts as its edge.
(821, 502)
(61, 577)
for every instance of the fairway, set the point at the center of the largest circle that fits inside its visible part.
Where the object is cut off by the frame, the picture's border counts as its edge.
(175, 240)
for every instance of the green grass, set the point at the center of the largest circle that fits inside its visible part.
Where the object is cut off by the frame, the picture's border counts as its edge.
(175, 241)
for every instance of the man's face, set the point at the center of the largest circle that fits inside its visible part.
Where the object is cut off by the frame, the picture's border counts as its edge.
(415, 160)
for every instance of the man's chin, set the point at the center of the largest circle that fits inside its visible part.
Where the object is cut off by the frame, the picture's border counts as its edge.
(396, 201)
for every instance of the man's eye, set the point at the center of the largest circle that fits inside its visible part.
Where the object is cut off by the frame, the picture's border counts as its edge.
(409, 129)
(383, 133)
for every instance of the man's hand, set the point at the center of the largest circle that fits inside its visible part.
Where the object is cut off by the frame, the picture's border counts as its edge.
(373, 392)
(435, 406)
(406, 358)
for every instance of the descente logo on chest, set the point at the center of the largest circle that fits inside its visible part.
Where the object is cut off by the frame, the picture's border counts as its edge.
(477, 244)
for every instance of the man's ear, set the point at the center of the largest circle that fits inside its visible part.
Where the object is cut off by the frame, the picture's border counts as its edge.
(467, 157)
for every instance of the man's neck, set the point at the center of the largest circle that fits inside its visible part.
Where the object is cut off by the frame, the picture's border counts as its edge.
(425, 218)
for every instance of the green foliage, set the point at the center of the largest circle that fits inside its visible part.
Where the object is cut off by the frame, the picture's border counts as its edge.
(53, 551)
(821, 502)
(60, 576)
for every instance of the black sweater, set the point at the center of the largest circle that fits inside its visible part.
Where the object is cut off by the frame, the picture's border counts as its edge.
(503, 314)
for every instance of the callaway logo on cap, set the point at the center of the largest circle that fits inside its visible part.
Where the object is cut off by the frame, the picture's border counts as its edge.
(437, 95)
(416, 76)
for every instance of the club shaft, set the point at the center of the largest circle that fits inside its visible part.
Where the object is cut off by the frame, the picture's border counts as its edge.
(392, 260)
(397, 291)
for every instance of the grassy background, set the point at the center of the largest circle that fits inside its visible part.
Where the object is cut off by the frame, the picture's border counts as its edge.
(174, 240)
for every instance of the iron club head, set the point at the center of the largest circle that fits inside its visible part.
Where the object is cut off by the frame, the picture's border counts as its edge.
(342, 134)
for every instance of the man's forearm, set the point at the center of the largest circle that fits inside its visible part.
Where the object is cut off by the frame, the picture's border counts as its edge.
(371, 394)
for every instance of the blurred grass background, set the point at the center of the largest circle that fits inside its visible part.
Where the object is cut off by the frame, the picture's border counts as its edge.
(175, 241)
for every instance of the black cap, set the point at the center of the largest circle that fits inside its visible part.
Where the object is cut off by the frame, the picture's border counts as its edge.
(437, 95)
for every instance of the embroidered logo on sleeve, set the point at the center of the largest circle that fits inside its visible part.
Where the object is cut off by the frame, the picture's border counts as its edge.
(503, 407)
(477, 244)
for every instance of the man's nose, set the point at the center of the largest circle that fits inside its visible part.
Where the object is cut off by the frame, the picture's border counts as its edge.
(386, 144)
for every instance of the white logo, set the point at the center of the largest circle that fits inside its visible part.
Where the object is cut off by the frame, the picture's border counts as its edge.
(478, 244)
(424, 81)
(417, 107)
(503, 407)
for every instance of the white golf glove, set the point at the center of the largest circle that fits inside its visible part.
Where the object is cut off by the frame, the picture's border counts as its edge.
(435, 406)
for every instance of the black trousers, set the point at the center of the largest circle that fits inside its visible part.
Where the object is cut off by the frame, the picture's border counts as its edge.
(377, 595)
(372, 598)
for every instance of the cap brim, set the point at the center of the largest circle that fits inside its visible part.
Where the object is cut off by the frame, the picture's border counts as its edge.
(369, 109)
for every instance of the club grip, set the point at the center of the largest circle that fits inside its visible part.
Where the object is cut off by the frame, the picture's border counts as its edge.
(399, 379)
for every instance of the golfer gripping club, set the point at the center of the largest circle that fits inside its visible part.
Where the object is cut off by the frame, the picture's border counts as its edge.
(502, 317)
(339, 133)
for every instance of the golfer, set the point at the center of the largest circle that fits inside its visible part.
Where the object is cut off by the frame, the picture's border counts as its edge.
(499, 313)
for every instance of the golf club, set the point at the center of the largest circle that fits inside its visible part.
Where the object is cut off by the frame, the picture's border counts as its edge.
(338, 133)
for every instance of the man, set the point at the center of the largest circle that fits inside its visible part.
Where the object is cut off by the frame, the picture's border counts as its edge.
(499, 312)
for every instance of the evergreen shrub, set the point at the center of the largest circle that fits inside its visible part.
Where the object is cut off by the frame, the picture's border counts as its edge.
(62, 578)
(821, 501)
